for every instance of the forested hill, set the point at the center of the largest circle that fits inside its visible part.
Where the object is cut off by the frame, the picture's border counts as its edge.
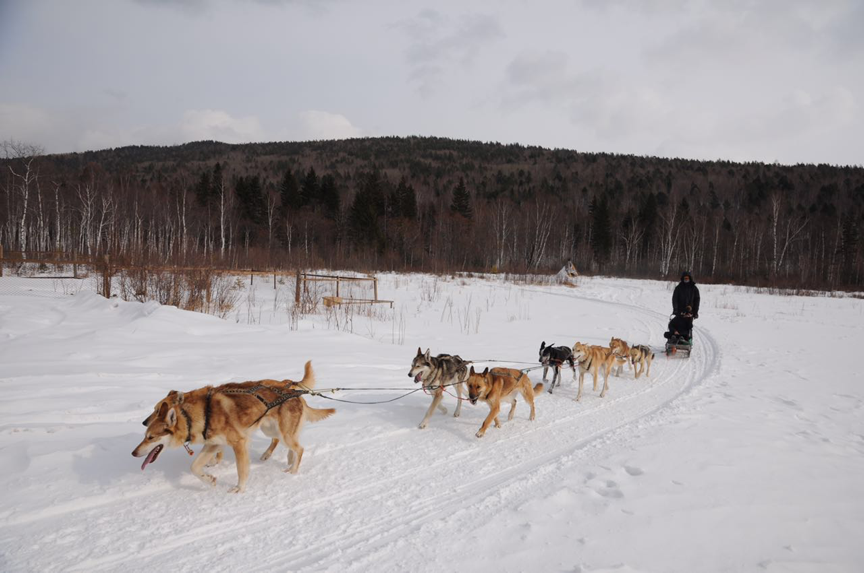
(442, 205)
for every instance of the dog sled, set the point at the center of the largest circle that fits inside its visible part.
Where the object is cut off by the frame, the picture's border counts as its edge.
(679, 336)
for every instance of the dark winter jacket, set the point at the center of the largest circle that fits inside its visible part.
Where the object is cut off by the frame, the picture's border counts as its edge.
(686, 294)
(680, 324)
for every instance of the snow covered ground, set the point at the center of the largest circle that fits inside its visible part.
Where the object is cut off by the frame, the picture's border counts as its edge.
(749, 456)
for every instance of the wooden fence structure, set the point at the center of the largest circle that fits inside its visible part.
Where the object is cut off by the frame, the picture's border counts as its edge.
(304, 278)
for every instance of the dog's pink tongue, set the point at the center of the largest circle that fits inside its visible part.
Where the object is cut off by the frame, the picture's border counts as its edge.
(151, 456)
(417, 378)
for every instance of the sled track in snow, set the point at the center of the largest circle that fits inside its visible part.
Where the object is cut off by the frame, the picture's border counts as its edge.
(415, 488)
(468, 485)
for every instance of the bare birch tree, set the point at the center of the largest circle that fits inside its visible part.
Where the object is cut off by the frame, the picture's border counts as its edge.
(25, 172)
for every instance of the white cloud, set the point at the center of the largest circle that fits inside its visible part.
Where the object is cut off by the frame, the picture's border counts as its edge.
(324, 125)
(220, 126)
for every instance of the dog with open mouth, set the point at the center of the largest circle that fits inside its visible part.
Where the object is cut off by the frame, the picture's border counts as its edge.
(621, 350)
(229, 415)
(437, 373)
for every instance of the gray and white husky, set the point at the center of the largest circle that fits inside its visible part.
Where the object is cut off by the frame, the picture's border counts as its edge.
(437, 373)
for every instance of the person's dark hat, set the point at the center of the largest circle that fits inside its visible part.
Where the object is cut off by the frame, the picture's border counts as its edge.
(686, 274)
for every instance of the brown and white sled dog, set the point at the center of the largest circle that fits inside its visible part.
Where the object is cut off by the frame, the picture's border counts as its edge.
(497, 385)
(228, 415)
(437, 373)
(640, 356)
(592, 359)
(621, 350)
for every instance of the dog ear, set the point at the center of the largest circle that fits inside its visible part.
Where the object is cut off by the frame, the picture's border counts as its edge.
(180, 397)
(171, 420)
(427, 354)
(419, 351)
(542, 345)
(472, 371)
(485, 372)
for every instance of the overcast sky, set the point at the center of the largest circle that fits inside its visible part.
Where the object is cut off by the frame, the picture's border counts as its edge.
(779, 80)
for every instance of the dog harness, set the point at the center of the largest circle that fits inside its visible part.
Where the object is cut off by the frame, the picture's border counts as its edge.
(253, 391)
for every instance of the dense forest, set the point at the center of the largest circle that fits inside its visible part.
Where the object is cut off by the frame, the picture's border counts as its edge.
(439, 205)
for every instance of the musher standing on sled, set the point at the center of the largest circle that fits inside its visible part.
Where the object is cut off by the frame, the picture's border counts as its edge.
(685, 307)
(686, 294)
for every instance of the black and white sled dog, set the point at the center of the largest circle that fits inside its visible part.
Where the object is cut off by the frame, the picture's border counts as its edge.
(555, 356)
(437, 373)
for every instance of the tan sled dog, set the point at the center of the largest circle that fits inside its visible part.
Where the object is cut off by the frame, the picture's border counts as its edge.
(500, 384)
(621, 350)
(229, 415)
(592, 359)
(640, 356)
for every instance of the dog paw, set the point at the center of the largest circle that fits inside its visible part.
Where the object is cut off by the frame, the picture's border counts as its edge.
(265, 456)
(456, 415)
(422, 426)
(236, 489)
(479, 434)
(208, 479)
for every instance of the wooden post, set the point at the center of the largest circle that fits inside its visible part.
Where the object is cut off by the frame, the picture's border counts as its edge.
(297, 288)
(375, 282)
(74, 264)
(337, 287)
(251, 277)
(1, 260)
(274, 280)
(106, 277)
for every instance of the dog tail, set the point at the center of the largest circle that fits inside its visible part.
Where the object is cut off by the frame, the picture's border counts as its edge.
(538, 388)
(314, 414)
(308, 376)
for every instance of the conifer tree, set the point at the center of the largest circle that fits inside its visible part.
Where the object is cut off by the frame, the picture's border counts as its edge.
(289, 193)
(330, 197)
(601, 233)
(203, 190)
(462, 200)
(407, 200)
(367, 206)
(311, 189)
(250, 199)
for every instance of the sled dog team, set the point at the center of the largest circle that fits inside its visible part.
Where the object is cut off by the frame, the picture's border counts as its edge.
(228, 415)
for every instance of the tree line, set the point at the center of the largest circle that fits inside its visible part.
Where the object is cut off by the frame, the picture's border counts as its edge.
(439, 205)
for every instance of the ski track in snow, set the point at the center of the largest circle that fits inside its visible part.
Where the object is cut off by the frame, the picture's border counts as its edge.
(375, 492)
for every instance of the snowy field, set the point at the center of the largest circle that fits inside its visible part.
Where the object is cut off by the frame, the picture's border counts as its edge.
(749, 456)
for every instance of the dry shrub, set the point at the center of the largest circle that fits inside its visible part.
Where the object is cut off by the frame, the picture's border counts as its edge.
(200, 291)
